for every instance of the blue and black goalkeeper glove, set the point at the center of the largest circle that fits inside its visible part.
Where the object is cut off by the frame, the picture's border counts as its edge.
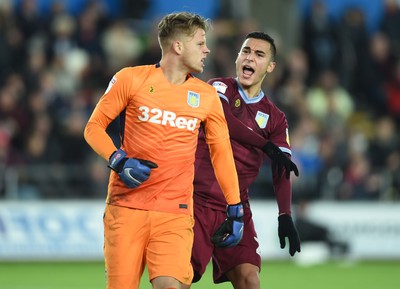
(287, 229)
(230, 232)
(133, 172)
(279, 160)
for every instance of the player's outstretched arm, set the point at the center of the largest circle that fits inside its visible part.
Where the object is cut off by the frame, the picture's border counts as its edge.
(230, 233)
(231, 230)
(133, 172)
(286, 229)
(279, 160)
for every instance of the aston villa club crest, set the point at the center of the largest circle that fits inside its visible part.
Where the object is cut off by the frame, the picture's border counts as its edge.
(262, 119)
(193, 99)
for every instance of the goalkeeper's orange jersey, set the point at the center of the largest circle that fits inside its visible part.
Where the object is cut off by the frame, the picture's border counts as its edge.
(160, 122)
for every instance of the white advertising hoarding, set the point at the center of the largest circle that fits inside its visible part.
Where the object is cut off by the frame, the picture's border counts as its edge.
(73, 230)
(51, 230)
(371, 229)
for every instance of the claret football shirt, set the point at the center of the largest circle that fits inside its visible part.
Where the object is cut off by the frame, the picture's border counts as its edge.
(265, 120)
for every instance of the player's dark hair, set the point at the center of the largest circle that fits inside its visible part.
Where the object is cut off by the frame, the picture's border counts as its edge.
(181, 23)
(265, 37)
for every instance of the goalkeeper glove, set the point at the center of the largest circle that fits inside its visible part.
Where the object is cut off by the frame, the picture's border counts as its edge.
(133, 172)
(230, 232)
(286, 228)
(280, 160)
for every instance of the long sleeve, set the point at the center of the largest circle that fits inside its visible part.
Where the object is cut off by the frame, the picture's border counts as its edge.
(225, 170)
(110, 105)
(283, 192)
(96, 136)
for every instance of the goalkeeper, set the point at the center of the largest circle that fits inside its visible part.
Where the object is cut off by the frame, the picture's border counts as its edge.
(148, 219)
(257, 129)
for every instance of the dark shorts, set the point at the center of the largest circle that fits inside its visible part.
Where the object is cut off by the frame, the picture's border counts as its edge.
(207, 221)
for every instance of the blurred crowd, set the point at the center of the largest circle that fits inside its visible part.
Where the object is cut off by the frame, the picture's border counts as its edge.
(340, 90)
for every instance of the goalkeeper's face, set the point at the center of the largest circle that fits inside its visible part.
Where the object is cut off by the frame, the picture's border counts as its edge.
(194, 51)
(254, 62)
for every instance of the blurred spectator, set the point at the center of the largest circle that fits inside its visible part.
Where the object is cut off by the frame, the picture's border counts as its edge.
(384, 154)
(12, 114)
(319, 40)
(377, 70)
(390, 24)
(29, 19)
(12, 43)
(223, 41)
(384, 143)
(152, 53)
(121, 44)
(393, 93)
(99, 174)
(306, 154)
(292, 88)
(392, 192)
(360, 182)
(328, 101)
(334, 155)
(35, 67)
(353, 38)
(89, 30)
(74, 148)
(4, 158)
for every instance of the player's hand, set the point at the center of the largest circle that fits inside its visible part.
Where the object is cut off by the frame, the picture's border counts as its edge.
(280, 160)
(287, 229)
(230, 232)
(133, 172)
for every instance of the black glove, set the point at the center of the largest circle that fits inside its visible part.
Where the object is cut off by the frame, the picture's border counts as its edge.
(280, 160)
(230, 233)
(287, 229)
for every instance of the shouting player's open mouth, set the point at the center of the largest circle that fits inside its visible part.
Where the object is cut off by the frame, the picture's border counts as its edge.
(247, 71)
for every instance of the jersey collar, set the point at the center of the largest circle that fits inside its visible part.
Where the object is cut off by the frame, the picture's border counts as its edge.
(244, 96)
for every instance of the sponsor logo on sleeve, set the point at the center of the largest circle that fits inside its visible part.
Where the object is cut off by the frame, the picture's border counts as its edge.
(110, 84)
(287, 137)
(220, 86)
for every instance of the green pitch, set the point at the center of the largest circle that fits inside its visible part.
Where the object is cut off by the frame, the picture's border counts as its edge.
(274, 275)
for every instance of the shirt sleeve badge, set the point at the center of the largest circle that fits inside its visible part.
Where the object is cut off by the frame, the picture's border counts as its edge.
(220, 86)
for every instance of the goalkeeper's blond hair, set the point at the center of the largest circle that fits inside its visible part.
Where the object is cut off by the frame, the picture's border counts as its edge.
(180, 23)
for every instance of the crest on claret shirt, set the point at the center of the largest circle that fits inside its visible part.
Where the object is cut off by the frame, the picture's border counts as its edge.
(193, 99)
(262, 119)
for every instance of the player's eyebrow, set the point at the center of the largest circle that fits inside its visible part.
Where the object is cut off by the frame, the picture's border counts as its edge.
(256, 51)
